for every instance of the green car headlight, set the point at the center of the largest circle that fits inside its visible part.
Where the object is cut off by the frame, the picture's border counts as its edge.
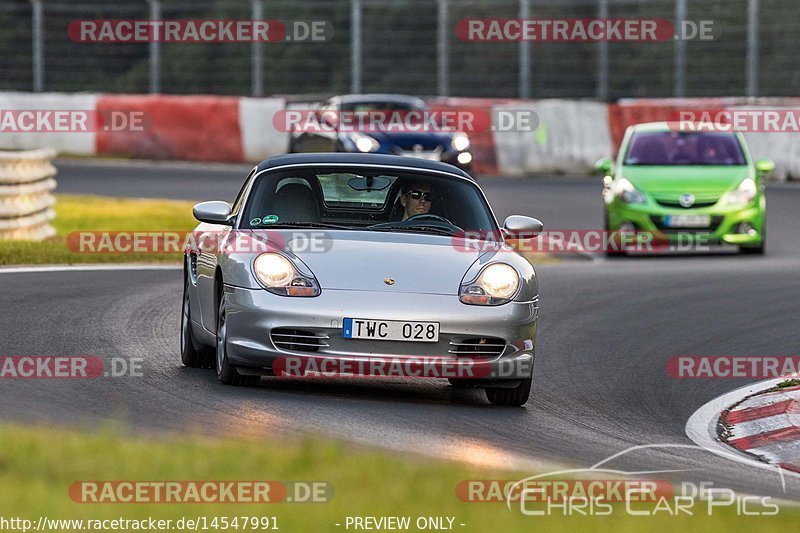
(742, 196)
(625, 191)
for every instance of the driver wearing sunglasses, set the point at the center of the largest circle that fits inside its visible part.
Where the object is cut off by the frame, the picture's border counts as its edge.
(416, 199)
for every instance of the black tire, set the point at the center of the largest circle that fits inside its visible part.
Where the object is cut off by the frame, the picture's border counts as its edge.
(752, 250)
(226, 372)
(511, 397)
(193, 353)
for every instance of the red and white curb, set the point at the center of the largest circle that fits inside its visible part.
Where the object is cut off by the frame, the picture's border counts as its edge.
(767, 426)
(752, 426)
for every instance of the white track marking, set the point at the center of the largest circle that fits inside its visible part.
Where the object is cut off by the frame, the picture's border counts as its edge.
(84, 268)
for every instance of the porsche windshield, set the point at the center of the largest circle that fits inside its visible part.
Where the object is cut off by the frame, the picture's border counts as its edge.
(366, 199)
(684, 148)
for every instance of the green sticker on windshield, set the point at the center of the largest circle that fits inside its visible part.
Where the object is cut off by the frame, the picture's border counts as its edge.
(255, 222)
(269, 219)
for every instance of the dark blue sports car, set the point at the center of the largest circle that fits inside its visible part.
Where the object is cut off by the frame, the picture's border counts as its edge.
(384, 124)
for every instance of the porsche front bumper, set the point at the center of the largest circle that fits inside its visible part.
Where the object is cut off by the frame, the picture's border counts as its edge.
(263, 328)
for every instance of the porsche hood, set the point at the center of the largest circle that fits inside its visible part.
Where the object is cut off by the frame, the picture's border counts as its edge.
(390, 262)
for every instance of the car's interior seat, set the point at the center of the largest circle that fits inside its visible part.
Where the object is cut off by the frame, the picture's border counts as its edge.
(296, 202)
(397, 209)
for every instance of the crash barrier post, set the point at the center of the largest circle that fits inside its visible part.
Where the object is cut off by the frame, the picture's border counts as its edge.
(26, 194)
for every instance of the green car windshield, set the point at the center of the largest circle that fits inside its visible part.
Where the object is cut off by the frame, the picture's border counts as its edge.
(684, 148)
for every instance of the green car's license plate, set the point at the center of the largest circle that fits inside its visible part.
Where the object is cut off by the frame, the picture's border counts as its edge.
(687, 221)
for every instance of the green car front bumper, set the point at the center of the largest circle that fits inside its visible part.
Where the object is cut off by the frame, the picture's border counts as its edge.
(726, 223)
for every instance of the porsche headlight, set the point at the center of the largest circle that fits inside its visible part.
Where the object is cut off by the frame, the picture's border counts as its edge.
(460, 142)
(364, 143)
(625, 191)
(496, 284)
(280, 276)
(742, 196)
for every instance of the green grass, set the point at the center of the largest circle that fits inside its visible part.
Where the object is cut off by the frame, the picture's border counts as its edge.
(38, 465)
(98, 213)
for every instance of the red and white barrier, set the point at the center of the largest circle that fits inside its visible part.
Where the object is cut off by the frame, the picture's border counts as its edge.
(768, 426)
(571, 134)
(192, 128)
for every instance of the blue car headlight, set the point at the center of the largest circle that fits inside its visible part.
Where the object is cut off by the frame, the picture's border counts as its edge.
(364, 143)
(460, 142)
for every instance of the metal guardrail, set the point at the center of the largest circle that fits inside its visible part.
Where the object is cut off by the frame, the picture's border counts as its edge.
(26, 194)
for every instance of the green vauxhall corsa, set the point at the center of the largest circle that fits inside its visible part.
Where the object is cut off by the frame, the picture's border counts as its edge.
(677, 186)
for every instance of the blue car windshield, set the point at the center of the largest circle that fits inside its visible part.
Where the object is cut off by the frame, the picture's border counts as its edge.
(355, 198)
(684, 148)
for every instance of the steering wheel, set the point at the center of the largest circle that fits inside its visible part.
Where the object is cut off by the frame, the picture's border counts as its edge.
(427, 216)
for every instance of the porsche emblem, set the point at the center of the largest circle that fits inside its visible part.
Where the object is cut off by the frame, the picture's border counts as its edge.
(388, 281)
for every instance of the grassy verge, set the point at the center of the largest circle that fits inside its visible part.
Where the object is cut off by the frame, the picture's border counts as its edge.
(38, 465)
(98, 213)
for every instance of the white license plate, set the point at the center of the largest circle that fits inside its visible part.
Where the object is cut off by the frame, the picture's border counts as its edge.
(390, 330)
(688, 221)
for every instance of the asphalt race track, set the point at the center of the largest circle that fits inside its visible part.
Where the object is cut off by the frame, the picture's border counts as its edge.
(606, 330)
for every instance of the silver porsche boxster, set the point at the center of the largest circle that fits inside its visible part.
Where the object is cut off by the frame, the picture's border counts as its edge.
(361, 265)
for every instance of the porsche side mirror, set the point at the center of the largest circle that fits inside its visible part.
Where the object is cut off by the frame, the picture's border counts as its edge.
(215, 212)
(522, 227)
(765, 166)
